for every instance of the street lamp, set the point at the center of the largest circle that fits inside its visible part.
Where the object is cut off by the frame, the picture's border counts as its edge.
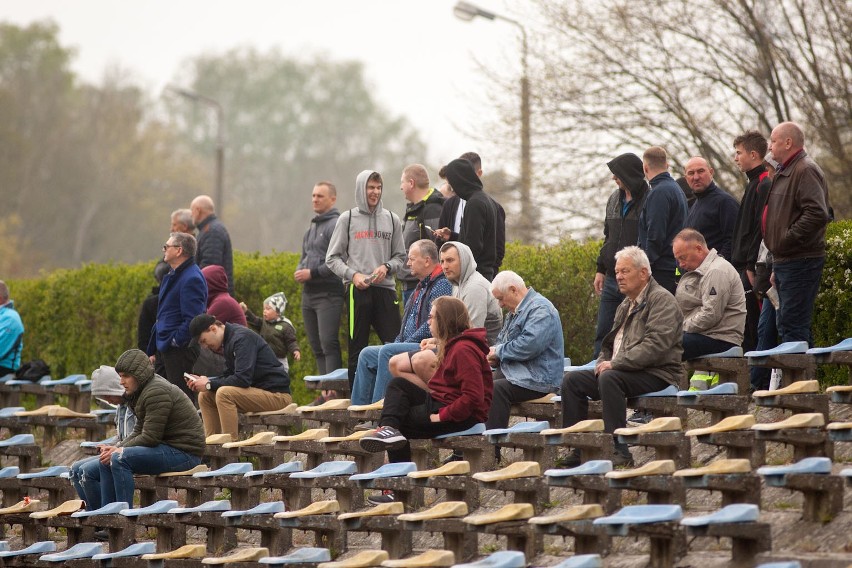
(220, 139)
(467, 12)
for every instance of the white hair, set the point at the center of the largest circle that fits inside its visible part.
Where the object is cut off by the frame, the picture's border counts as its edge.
(635, 254)
(505, 279)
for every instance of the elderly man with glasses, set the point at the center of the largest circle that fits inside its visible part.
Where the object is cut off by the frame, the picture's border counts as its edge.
(183, 295)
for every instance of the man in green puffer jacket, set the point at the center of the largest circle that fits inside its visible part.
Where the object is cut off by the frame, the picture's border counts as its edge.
(168, 435)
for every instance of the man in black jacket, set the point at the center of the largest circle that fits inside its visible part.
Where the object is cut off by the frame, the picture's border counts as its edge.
(621, 229)
(714, 212)
(423, 208)
(254, 378)
(214, 242)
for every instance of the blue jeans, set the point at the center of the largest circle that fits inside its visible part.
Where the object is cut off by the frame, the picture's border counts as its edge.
(797, 282)
(85, 476)
(372, 375)
(611, 298)
(767, 338)
(117, 478)
(696, 345)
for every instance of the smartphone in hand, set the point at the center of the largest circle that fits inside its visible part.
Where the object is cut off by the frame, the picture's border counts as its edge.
(190, 377)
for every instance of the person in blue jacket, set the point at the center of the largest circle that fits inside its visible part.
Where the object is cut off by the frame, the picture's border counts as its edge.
(11, 333)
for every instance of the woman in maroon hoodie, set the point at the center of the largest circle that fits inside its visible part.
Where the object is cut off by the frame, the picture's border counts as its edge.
(459, 393)
(220, 304)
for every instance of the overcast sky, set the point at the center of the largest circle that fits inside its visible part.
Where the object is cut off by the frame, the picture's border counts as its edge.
(419, 57)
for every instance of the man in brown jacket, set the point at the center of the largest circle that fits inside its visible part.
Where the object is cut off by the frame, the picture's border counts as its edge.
(794, 220)
(641, 354)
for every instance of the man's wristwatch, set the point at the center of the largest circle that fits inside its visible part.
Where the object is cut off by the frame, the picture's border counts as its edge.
(388, 266)
(209, 385)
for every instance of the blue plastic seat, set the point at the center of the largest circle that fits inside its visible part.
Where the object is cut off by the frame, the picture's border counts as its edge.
(591, 467)
(9, 471)
(399, 469)
(336, 375)
(502, 559)
(307, 555)
(788, 348)
(4, 545)
(35, 548)
(782, 564)
(108, 442)
(619, 523)
(566, 363)
(775, 475)
(69, 380)
(158, 508)
(286, 467)
(108, 509)
(52, 471)
(137, 549)
(263, 509)
(327, 469)
(731, 353)
(238, 468)
(18, 440)
(845, 345)
(104, 415)
(721, 388)
(10, 411)
(7, 377)
(527, 426)
(208, 507)
(670, 390)
(590, 366)
(736, 513)
(475, 430)
(581, 561)
(79, 550)
(846, 472)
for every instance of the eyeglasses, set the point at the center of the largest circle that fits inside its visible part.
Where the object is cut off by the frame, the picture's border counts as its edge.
(166, 246)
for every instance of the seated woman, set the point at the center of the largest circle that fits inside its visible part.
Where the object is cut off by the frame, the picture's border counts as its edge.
(458, 395)
(168, 435)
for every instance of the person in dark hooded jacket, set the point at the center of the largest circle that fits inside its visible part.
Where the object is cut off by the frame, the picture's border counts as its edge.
(621, 229)
(220, 304)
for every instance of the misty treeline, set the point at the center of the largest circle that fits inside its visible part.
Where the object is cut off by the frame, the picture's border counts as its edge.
(621, 75)
(90, 173)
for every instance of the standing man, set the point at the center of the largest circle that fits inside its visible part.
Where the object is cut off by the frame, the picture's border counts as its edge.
(182, 221)
(714, 213)
(794, 221)
(749, 150)
(621, 229)
(183, 295)
(424, 205)
(214, 242)
(662, 217)
(365, 251)
(11, 333)
(322, 290)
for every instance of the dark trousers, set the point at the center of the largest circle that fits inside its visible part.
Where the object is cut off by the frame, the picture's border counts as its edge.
(696, 345)
(374, 307)
(613, 388)
(752, 314)
(611, 298)
(177, 361)
(6, 371)
(666, 278)
(797, 282)
(321, 318)
(504, 396)
(767, 338)
(407, 408)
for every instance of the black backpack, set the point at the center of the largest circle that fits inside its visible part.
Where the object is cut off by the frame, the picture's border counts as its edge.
(33, 371)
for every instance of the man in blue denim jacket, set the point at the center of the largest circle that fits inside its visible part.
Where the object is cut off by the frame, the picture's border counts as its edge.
(529, 353)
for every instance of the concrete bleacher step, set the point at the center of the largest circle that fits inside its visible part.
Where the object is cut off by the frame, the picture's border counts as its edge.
(737, 513)
(41, 547)
(512, 471)
(184, 552)
(66, 508)
(268, 508)
(108, 509)
(383, 509)
(444, 510)
(252, 554)
(315, 508)
(136, 549)
(574, 513)
(619, 523)
(304, 555)
(327, 469)
(76, 552)
(363, 559)
(207, 507)
(460, 467)
(428, 559)
(591, 467)
(500, 559)
(399, 469)
(510, 512)
(158, 508)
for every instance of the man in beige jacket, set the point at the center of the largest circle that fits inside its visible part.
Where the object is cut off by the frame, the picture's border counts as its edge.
(710, 295)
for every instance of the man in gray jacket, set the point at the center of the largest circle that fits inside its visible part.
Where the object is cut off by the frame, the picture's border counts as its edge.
(710, 295)
(641, 354)
(365, 251)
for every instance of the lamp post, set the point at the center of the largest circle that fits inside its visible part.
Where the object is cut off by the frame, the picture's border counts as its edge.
(220, 139)
(467, 12)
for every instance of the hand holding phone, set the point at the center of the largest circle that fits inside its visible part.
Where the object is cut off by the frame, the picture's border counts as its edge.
(190, 377)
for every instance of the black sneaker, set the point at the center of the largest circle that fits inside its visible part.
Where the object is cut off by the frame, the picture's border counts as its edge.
(382, 439)
(639, 418)
(386, 496)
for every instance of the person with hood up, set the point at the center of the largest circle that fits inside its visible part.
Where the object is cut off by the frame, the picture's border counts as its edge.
(478, 229)
(278, 331)
(168, 435)
(621, 229)
(220, 304)
(365, 251)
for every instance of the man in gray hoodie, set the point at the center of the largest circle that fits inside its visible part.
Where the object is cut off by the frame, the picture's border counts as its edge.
(365, 251)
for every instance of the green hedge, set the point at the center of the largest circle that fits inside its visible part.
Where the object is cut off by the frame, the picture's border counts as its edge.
(79, 319)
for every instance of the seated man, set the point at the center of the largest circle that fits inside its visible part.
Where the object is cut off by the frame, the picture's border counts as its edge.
(641, 353)
(529, 352)
(372, 375)
(11, 334)
(710, 296)
(168, 435)
(85, 473)
(254, 379)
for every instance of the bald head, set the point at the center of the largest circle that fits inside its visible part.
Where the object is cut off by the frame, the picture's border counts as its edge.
(698, 173)
(201, 207)
(786, 139)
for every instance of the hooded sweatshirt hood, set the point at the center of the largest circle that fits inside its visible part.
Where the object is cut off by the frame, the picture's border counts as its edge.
(217, 281)
(462, 178)
(361, 194)
(475, 291)
(628, 168)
